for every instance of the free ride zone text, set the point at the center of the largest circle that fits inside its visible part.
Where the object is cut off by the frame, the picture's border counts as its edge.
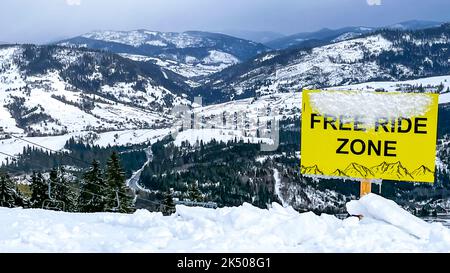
(385, 148)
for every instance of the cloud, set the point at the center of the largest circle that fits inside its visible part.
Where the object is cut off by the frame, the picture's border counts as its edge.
(73, 2)
(374, 2)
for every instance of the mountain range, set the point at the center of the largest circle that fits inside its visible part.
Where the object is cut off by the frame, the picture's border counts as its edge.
(111, 81)
(105, 91)
(389, 55)
(190, 54)
(55, 90)
(262, 37)
(326, 35)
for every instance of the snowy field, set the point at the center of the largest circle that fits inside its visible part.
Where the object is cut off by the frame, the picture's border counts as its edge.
(385, 227)
(426, 83)
(14, 146)
(191, 136)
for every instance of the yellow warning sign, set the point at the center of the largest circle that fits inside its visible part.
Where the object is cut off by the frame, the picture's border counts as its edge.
(360, 134)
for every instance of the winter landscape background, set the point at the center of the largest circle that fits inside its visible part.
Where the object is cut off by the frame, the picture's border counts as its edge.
(91, 144)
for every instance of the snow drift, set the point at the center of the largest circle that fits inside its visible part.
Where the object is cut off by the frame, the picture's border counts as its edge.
(385, 227)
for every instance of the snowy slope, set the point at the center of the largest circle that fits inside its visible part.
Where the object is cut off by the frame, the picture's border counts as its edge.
(330, 65)
(14, 146)
(384, 228)
(277, 105)
(191, 54)
(323, 35)
(384, 55)
(137, 38)
(332, 35)
(55, 101)
(191, 67)
(276, 176)
(431, 84)
(192, 136)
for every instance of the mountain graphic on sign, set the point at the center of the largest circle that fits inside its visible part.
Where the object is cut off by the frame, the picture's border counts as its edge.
(312, 170)
(338, 172)
(356, 170)
(421, 171)
(396, 169)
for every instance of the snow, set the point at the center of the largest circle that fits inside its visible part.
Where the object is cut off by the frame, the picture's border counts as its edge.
(385, 227)
(137, 58)
(133, 181)
(444, 98)
(340, 63)
(138, 38)
(219, 57)
(48, 93)
(278, 106)
(266, 108)
(14, 146)
(376, 207)
(220, 135)
(334, 64)
(276, 176)
(429, 84)
(266, 57)
(261, 159)
(156, 43)
(190, 67)
(370, 106)
(346, 36)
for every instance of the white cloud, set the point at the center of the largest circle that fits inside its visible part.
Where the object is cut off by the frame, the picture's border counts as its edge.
(73, 2)
(374, 2)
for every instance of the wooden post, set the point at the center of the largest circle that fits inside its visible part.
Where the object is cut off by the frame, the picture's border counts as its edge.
(365, 188)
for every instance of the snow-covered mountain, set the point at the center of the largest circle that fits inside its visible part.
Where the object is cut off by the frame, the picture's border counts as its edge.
(256, 36)
(47, 90)
(390, 55)
(191, 54)
(414, 25)
(326, 35)
(322, 36)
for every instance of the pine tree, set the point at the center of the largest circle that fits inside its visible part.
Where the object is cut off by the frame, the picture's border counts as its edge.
(8, 194)
(68, 193)
(115, 178)
(194, 193)
(168, 205)
(62, 190)
(93, 190)
(39, 190)
(20, 200)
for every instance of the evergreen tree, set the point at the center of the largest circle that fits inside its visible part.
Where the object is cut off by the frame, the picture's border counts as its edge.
(168, 204)
(194, 193)
(20, 200)
(115, 178)
(93, 190)
(62, 190)
(8, 195)
(39, 190)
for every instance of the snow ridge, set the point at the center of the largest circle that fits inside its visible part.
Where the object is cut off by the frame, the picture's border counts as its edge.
(385, 227)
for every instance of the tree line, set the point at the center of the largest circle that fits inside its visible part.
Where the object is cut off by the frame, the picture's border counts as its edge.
(99, 190)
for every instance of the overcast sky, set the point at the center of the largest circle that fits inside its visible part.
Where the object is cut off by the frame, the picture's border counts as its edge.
(47, 20)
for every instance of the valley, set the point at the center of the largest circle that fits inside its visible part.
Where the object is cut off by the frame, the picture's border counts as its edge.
(117, 89)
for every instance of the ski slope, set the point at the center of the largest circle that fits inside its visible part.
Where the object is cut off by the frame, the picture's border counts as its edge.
(385, 227)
